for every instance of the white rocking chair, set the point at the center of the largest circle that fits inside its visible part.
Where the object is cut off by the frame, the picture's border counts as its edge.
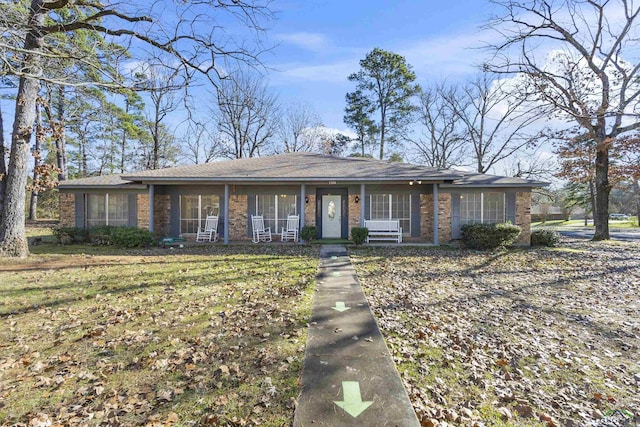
(210, 231)
(260, 233)
(291, 231)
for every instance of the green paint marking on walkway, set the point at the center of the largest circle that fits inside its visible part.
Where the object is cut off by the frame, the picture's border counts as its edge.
(352, 403)
(336, 273)
(334, 257)
(340, 307)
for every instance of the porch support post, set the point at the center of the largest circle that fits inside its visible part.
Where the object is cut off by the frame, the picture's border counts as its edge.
(435, 214)
(303, 196)
(151, 197)
(226, 214)
(362, 202)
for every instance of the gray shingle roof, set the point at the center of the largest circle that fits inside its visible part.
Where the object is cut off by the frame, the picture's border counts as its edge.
(484, 180)
(296, 167)
(109, 181)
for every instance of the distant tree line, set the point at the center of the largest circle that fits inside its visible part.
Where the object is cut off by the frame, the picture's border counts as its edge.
(590, 81)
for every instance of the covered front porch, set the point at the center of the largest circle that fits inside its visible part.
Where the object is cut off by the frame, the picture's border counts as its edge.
(334, 209)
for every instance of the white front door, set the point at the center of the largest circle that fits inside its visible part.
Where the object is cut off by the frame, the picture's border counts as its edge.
(331, 217)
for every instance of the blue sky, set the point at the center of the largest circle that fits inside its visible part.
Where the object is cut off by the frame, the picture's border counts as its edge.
(319, 43)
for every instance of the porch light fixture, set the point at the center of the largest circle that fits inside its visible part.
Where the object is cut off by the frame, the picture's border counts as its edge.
(415, 182)
(357, 199)
(306, 199)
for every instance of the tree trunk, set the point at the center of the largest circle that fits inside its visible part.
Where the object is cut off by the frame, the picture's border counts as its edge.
(13, 236)
(592, 200)
(601, 215)
(82, 142)
(382, 134)
(123, 144)
(33, 203)
(3, 165)
(636, 193)
(61, 149)
(156, 144)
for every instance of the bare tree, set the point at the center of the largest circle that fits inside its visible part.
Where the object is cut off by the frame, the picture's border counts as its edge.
(440, 143)
(193, 38)
(495, 120)
(56, 96)
(246, 113)
(530, 166)
(40, 135)
(199, 145)
(592, 78)
(296, 127)
(162, 84)
(3, 164)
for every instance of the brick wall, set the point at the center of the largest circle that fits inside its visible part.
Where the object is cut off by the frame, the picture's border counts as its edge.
(238, 217)
(143, 210)
(444, 217)
(426, 217)
(161, 214)
(310, 210)
(68, 209)
(354, 211)
(523, 217)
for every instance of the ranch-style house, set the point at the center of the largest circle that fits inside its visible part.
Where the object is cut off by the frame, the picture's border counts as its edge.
(332, 193)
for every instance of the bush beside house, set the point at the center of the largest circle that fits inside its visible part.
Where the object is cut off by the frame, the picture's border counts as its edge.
(547, 238)
(359, 235)
(128, 237)
(489, 236)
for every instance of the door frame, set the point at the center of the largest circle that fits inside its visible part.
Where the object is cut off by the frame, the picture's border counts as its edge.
(344, 207)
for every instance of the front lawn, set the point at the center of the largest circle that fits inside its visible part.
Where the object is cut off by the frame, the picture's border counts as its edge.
(203, 336)
(632, 222)
(541, 337)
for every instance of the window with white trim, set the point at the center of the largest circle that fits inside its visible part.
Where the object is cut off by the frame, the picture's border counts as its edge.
(107, 209)
(483, 208)
(392, 206)
(194, 209)
(275, 208)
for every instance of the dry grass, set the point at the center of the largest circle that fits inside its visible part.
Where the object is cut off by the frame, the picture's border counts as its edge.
(518, 338)
(99, 336)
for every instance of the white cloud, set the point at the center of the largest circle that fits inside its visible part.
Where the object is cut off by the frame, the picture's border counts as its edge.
(305, 40)
(447, 55)
(439, 57)
(330, 132)
(335, 72)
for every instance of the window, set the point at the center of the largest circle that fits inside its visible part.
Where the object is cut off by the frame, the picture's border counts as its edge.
(275, 208)
(194, 209)
(107, 209)
(487, 208)
(392, 206)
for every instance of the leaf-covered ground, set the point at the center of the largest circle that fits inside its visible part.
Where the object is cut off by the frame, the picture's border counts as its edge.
(520, 338)
(203, 336)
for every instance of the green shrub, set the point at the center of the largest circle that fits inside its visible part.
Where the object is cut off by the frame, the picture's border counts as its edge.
(489, 236)
(359, 235)
(545, 238)
(67, 235)
(131, 237)
(101, 235)
(308, 233)
(104, 235)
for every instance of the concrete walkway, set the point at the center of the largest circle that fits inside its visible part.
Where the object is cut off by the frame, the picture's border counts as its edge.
(348, 378)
